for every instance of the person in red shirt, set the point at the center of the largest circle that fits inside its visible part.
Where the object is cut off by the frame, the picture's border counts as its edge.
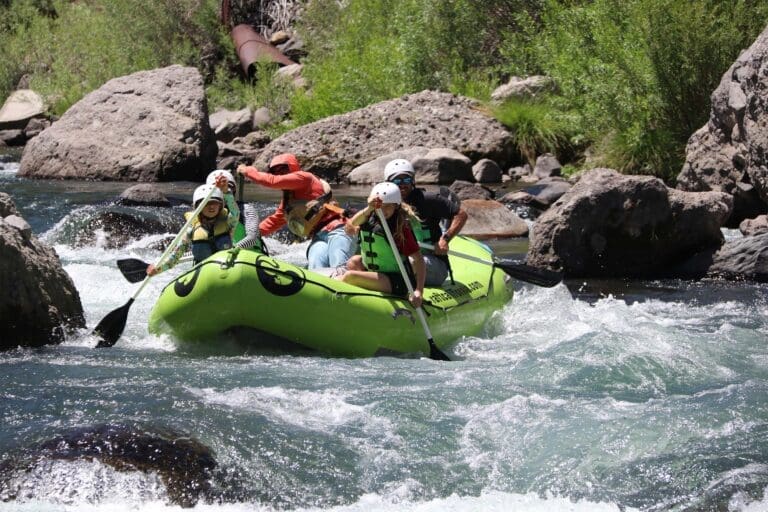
(376, 267)
(308, 205)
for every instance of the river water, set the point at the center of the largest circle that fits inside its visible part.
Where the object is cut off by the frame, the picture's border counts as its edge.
(589, 396)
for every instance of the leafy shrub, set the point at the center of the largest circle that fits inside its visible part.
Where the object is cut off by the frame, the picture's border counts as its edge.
(74, 47)
(536, 128)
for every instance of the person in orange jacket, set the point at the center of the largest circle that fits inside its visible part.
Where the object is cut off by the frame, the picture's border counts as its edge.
(307, 207)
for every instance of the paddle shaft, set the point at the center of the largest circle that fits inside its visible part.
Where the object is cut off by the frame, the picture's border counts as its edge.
(469, 257)
(522, 272)
(172, 246)
(434, 352)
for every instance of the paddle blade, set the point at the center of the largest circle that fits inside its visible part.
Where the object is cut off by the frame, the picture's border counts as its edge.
(134, 270)
(529, 274)
(435, 353)
(112, 326)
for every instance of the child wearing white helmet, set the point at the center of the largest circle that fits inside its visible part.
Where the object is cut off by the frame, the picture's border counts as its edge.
(376, 267)
(246, 234)
(210, 232)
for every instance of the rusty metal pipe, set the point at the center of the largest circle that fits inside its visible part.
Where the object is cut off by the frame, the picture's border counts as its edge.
(252, 47)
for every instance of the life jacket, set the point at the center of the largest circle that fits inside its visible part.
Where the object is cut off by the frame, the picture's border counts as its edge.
(305, 218)
(375, 249)
(207, 241)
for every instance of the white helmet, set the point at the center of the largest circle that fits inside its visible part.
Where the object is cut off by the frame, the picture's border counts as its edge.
(202, 191)
(211, 179)
(388, 192)
(399, 166)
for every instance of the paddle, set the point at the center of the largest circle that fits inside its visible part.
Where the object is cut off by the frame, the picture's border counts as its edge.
(434, 352)
(135, 270)
(520, 271)
(112, 326)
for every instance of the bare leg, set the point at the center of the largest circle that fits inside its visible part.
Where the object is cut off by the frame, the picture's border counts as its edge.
(368, 280)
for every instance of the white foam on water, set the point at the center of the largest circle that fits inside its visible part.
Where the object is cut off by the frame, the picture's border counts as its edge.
(319, 410)
(487, 501)
(63, 484)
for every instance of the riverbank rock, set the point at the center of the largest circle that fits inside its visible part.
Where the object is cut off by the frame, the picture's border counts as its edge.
(611, 225)
(19, 108)
(730, 153)
(143, 194)
(184, 464)
(149, 126)
(491, 219)
(744, 258)
(39, 300)
(334, 146)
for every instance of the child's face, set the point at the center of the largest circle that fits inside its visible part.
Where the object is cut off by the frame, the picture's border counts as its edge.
(211, 209)
(388, 209)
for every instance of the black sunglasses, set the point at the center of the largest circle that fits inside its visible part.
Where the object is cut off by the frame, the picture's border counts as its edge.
(279, 169)
(405, 180)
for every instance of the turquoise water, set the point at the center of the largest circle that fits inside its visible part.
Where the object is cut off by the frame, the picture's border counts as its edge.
(590, 396)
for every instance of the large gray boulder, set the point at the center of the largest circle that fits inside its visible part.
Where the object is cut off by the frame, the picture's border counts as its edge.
(332, 147)
(730, 153)
(611, 225)
(149, 126)
(39, 300)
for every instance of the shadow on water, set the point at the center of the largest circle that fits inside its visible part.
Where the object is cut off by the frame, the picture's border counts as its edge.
(245, 341)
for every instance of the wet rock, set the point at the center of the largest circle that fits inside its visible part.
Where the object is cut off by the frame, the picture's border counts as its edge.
(744, 258)
(143, 194)
(610, 225)
(146, 127)
(491, 219)
(117, 228)
(184, 464)
(39, 300)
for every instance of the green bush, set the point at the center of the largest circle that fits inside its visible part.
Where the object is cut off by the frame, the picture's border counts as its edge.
(536, 128)
(640, 72)
(72, 48)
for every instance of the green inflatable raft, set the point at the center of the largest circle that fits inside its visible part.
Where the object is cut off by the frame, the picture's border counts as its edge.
(243, 288)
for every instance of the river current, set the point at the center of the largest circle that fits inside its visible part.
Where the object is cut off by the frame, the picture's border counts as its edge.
(589, 396)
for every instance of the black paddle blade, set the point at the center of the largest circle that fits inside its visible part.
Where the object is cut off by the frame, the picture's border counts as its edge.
(112, 326)
(134, 270)
(435, 353)
(529, 274)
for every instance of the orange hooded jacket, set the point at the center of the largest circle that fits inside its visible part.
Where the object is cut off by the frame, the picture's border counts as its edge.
(299, 184)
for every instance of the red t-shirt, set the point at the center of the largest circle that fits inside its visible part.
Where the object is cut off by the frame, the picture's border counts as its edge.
(407, 245)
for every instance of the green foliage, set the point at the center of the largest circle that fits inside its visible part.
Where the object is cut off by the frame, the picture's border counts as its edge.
(640, 72)
(265, 90)
(634, 77)
(536, 128)
(374, 50)
(71, 48)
